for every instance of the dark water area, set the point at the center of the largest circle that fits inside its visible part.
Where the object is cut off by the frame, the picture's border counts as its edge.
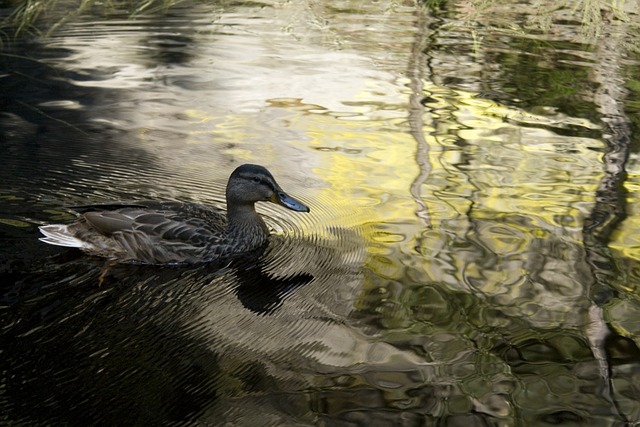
(471, 254)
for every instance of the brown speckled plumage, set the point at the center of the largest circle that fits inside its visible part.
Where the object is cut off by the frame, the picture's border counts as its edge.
(173, 232)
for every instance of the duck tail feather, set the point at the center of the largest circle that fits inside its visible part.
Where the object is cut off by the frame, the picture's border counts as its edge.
(59, 235)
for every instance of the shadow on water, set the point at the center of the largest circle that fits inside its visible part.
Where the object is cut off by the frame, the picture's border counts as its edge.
(123, 350)
(46, 126)
(83, 350)
(56, 120)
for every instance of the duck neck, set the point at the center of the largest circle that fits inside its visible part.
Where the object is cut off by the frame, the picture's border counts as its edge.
(245, 225)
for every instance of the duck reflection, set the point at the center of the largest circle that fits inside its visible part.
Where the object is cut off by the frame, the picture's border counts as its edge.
(261, 292)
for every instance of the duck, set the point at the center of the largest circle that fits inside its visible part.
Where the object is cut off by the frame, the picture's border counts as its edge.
(169, 232)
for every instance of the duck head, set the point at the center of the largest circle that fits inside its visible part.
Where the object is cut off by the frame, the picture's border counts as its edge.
(249, 184)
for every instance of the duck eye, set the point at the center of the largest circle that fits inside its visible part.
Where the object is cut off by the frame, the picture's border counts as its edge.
(256, 179)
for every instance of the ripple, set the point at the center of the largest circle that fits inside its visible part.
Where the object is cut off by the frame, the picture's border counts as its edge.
(313, 240)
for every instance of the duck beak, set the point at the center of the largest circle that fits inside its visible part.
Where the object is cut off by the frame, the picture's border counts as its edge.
(283, 199)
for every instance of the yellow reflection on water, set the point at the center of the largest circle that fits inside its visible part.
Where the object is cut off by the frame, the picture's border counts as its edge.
(499, 177)
(625, 238)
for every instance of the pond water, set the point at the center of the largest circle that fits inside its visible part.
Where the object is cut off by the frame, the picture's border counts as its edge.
(470, 258)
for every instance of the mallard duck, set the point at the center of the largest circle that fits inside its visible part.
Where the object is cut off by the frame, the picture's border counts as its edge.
(172, 232)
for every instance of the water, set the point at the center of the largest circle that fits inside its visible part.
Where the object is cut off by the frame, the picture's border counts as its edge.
(453, 269)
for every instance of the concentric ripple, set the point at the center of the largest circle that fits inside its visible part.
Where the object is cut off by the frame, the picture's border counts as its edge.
(313, 242)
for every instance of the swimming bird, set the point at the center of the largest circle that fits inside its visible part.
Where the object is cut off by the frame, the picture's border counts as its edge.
(152, 232)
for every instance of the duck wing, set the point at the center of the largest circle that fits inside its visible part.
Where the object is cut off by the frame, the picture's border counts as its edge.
(158, 236)
(210, 217)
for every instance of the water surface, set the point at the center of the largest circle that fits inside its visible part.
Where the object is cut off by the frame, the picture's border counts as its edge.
(453, 269)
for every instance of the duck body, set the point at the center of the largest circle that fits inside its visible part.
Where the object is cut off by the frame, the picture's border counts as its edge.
(153, 232)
